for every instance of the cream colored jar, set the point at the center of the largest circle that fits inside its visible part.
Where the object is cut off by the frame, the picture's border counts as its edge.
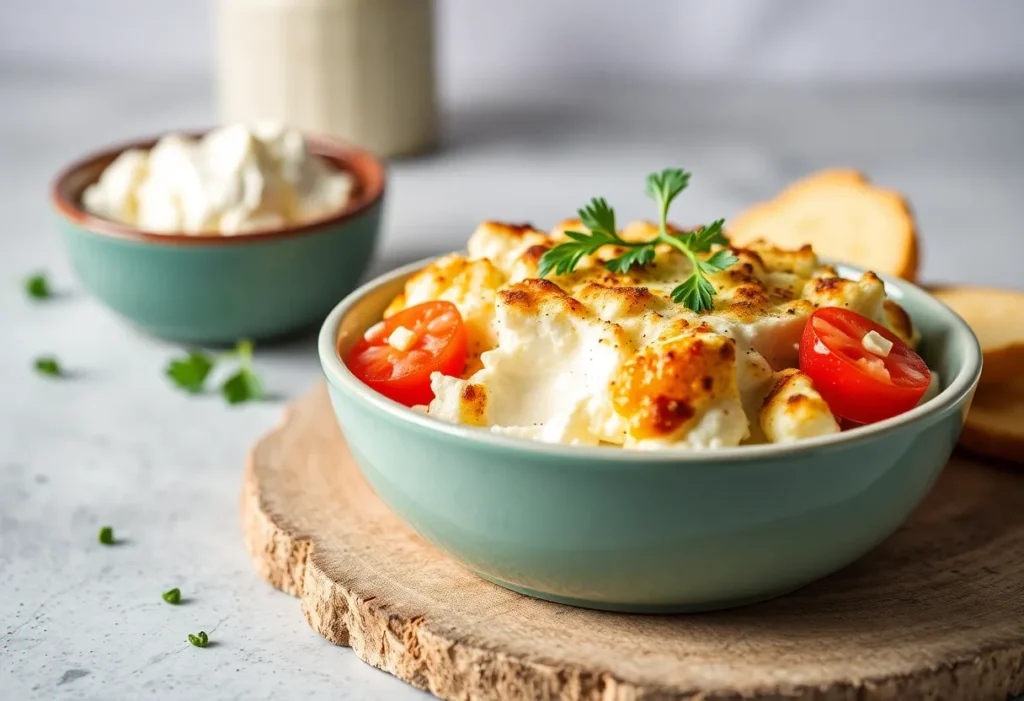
(361, 70)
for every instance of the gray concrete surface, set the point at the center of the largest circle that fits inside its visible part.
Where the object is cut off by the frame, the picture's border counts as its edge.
(115, 444)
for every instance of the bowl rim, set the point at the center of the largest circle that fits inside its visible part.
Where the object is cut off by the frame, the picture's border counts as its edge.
(960, 387)
(368, 169)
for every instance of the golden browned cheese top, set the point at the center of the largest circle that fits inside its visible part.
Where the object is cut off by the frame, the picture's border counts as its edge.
(663, 387)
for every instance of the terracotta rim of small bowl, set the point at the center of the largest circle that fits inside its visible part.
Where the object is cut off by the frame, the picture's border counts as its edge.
(959, 386)
(70, 183)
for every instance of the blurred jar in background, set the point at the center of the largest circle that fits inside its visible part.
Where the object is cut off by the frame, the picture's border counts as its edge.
(361, 70)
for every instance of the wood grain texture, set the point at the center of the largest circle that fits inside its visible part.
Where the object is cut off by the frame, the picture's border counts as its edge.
(935, 612)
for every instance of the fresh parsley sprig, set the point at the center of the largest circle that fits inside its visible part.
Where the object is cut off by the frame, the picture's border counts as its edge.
(696, 292)
(600, 219)
(191, 372)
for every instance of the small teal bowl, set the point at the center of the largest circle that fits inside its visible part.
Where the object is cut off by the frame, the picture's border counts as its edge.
(652, 531)
(217, 289)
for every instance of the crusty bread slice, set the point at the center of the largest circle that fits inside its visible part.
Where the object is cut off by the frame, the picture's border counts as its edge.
(843, 216)
(997, 319)
(995, 423)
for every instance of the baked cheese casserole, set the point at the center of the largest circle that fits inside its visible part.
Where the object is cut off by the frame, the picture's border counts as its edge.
(595, 357)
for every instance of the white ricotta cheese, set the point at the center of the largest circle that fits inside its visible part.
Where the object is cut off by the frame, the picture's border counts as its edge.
(722, 425)
(233, 180)
(795, 411)
(571, 428)
(551, 371)
(401, 339)
(876, 343)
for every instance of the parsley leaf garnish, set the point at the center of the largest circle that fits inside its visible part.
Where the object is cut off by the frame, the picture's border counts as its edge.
(696, 292)
(244, 384)
(191, 372)
(641, 255)
(200, 640)
(48, 365)
(37, 287)
(173, 596)
(719, 261)
(600, 219)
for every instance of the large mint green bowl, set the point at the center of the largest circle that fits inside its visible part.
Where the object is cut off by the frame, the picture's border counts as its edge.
(217, 289)
(666, 531)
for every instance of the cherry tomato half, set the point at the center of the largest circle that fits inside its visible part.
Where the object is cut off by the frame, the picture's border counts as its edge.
(858, 384)
(438, 344)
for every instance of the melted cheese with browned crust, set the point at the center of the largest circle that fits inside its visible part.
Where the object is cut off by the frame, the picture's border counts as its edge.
(595, 356)
(793, 410)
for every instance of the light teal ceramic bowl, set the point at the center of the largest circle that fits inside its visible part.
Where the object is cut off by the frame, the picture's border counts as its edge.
(659, 531)
(217, 289)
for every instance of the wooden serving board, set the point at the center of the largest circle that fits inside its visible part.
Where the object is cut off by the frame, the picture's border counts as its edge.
(935, 612)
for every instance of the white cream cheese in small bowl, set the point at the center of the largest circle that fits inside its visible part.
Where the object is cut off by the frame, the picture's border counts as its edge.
(233, 180)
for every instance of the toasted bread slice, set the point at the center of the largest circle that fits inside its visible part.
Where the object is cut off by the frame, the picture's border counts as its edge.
(997, 319)
(995, 423)
(843, 216)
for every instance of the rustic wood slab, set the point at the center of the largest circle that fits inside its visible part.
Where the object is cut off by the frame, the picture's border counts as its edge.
(936, 612)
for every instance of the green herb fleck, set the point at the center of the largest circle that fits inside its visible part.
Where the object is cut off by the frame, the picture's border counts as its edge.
(696, 292)
(107, 535)
(244, 385)
(48, 365)
(189, 373)
(173, 596)
(201, 640)
(37, 287)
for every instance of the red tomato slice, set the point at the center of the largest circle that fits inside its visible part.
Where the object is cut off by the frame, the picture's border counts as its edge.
(857, 384)
(438, 345)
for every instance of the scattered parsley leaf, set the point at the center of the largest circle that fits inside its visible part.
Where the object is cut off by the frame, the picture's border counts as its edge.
(243, 386)
(201, 640)
(37, 287)
(106, 535)
(696, 292)
(48, 365)
(173, 596)
(189, 373)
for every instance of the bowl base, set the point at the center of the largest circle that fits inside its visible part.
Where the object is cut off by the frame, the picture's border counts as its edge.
(611, 606)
